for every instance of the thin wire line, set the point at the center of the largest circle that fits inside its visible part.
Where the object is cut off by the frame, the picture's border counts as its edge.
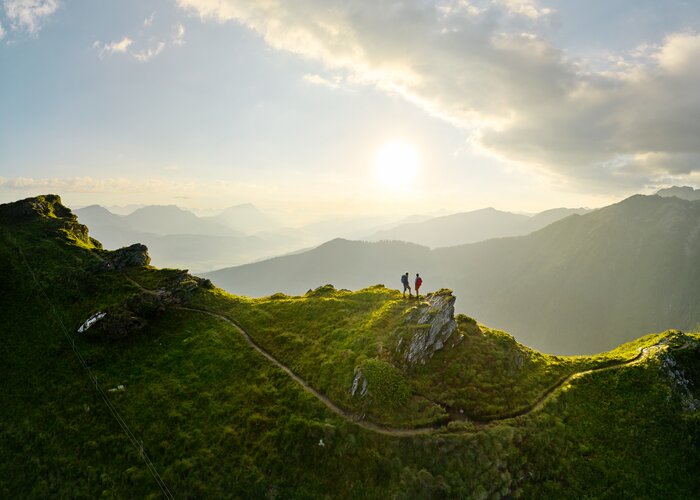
(113, 410)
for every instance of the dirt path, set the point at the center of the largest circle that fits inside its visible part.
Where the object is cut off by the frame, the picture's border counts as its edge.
(537, 405)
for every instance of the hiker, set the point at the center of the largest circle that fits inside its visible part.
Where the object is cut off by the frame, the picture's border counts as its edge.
(419, 282)
(406, 286)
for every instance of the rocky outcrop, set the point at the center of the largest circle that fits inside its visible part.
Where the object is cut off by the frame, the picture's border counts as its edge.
(426, 328)
(359, 382)
(91, 321)
(48, 206)
(185, 282)
(679, 381)
(118, 324)
(135, 255)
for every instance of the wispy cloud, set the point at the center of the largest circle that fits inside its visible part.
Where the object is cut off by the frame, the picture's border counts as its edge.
(145, 46)
(29, 15)
(2, 32)
(148, 22)
(315, 79)
(122, 189)
(515, 94)
(149, 53)
(179, 36)
(526, 8)
(119, 47)
(94, 185)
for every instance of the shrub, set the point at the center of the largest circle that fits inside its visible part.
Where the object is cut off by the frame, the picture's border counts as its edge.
(385, 384)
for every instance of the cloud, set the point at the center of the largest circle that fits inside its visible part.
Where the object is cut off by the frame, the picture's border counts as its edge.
(526, 8)
(179, 36)
(145, 47)
(515, 94)
(122, 47)
(119, 47)
(146, 55)
(2, 32)
(164, 189)
(148, 22)
(29, 14)
(319, 80)
(94, 185)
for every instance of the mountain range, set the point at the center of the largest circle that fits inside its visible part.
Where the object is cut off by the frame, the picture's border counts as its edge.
(242, 234)
(471, 227)
(682, 192)
(580, 285)
(122, 380)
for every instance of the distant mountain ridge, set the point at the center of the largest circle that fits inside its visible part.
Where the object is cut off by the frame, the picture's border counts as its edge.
(579, 285)
(243, 233)
(245, 218)
(682, 192)
(156, 219)
(471, 227)
(180, 239)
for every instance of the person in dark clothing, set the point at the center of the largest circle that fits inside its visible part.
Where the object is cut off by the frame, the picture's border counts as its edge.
(406, 286)
(419, 282)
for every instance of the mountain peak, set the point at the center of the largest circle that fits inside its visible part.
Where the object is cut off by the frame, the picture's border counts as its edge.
(160, 209)
(48, 205)
(241, 206)
(95, 209)
(683, 192)
(56, 218)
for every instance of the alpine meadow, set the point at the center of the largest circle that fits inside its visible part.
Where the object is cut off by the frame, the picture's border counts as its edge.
(435, 249)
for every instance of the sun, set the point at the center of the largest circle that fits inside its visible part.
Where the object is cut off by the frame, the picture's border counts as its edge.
(396, 164)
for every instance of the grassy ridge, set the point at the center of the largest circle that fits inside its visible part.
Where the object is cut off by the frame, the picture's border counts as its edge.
(327, 334)
(217, 419)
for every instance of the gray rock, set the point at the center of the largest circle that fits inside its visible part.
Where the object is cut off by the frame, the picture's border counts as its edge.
(679, 382)
(135, 255)
(357, 382)
(430, 324)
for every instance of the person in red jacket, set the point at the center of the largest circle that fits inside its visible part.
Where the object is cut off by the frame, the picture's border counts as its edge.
(419, 282)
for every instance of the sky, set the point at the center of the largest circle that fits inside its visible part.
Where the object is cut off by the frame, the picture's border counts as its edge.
(519, 104)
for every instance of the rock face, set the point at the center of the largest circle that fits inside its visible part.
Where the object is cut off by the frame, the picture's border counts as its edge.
(48, 208)
(43, 206)
(133, 315)
(678, 380)
(359, 382)
(135, 255)
(427, 327)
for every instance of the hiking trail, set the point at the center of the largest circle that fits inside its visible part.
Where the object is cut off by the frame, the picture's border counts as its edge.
(538, 404)
(549, 394)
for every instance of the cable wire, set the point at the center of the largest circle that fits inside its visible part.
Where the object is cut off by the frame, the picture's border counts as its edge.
(113, 410)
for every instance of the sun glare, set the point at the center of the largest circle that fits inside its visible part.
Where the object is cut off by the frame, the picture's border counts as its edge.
(396, 164)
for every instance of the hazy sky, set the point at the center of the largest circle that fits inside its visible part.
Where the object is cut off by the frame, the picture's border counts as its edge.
(518, 104)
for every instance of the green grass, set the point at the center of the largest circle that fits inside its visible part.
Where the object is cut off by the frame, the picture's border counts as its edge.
(326, 335)
(220, 420)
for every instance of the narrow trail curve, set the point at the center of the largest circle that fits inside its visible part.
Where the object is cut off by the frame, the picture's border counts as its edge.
(329, 404)
(554, 389)
(537, 405)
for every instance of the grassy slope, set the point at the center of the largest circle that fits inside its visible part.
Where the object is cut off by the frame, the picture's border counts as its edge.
(218, 419)
(326, 334)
